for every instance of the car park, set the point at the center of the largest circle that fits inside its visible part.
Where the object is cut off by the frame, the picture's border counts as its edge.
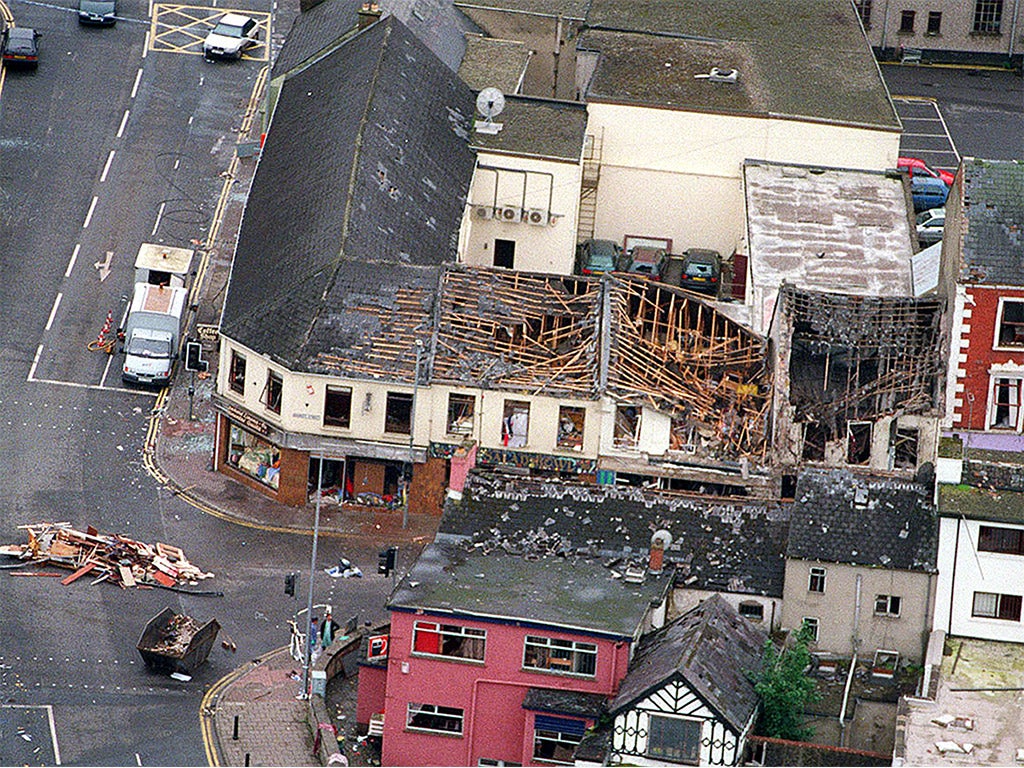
(97, 13)
(700, 269)
(595, 257)
(930, 226)
(928, 192)
(231, 37)
(916, 167)
(20, 47)
(645, 260)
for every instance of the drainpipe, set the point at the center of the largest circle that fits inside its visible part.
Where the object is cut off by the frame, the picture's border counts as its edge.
(952, 576)
(1013, 28)
(853, 662)
(885, 23)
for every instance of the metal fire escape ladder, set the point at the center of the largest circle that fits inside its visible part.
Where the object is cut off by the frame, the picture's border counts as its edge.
(588, 189)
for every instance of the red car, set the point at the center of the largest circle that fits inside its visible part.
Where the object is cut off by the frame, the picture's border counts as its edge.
(914, 165)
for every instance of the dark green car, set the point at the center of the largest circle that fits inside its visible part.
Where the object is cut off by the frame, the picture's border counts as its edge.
(97, 13)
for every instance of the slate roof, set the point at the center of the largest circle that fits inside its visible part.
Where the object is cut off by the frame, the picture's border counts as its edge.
(564, 702)
(993, 228)
(569, 9)
(729, 547)
(314, 30)
(364, 173)
(712, 648)
(828, 228)
(840, 517)
(539, 128)
(491, 62)
(571, 593)
(795, 58)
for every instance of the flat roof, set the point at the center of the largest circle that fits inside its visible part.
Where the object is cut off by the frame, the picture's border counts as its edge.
(541, 128)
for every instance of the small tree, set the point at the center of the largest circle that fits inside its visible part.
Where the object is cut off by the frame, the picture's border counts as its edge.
(785, 689)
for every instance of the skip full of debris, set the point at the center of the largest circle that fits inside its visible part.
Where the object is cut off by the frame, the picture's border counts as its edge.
(109, 557)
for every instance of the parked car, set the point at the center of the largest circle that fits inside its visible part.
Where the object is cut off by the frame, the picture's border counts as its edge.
(595, 257)
(20, 48)
(913, 165)
(930, 225)
(700, 269)
(928, 192)
(97, 13)
(645, 260)
(232, 36)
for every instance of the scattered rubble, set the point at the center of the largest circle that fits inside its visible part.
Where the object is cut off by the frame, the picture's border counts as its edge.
(114, 558)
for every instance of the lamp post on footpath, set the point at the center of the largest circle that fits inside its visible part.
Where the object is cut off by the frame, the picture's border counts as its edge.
(412, 432)
(312, 574)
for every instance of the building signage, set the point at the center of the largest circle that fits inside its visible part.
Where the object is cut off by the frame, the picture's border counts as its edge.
(247, 420)
(377, 647)
(207, 332)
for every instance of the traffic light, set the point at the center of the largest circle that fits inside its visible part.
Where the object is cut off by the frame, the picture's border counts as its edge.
(194, 357)
(289, 584)
(386, 560)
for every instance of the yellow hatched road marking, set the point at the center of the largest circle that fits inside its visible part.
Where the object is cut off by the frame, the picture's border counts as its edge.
(182, 28)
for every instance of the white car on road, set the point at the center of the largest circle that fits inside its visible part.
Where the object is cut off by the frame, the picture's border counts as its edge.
(231, 37)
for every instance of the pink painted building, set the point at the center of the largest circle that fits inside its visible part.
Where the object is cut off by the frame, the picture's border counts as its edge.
(506, 658)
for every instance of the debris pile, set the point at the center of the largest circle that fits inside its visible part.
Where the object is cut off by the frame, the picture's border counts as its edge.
(116, 558)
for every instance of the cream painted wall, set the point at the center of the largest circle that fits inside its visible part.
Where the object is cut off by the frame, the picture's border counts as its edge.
(523, 183)
(543, 426)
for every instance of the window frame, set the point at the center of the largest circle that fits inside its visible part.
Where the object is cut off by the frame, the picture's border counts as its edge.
(459, 718)
(661, 750)
(908, 18)
(559, 739)
(462, 400)
(273, 386)
(814, 623)
(508, 434)
(336, 421)
(570, 438)
(1004, 604)
(989, 536)
(988, 17)
(394, 400)
(236, 372)
(863, 8)
(1015, 410)
(816, 575)
(934, 27)
(745, 610)
(997, 333)
(888, 605)
(545, 647)
(449, 633)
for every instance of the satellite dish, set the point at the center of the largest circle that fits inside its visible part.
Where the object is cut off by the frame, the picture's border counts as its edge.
(490, 102)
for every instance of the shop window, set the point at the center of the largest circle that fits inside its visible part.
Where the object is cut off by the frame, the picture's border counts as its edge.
(1007, 541)
(816, 580)
(398, 413)
(565, 656)
(254, 456)
(627, 426)
(752, 611)
(864, 11)
(903, 443)
(888, 605)
(272, 390)
(988, 16)
(448, 640)
(858, 444)
(570, 428)
(505, 254)
(338, 407)
(815, 439)
(907, 22)
(556, 738)
(989, 605)
(236, 373)
(460, 414)
(1004, 408)
(810, 624)
(515, 424)
(500, 763)
(432, 717)
(934, 22)
(1010, 325)
(675, 739)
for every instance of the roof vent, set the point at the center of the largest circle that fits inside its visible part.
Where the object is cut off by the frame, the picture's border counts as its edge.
(723, 75)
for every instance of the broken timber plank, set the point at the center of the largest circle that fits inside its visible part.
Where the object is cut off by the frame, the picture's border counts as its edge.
(163, 578)
(78, 574)
(126, 575)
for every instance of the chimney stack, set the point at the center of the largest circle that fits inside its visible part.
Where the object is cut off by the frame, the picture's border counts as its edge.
(660, 541)
(368, 14)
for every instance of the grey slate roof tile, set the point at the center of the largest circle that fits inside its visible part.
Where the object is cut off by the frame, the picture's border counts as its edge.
(710, 647)
(993, 212)
(364, 172)
(842, 517)
(717, 546)
(564, 702)
(314, 30)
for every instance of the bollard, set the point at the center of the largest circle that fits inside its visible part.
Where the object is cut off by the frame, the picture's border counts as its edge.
(247, 760)
(234, 733)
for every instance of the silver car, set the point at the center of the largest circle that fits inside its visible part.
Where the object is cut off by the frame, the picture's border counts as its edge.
(930, 225)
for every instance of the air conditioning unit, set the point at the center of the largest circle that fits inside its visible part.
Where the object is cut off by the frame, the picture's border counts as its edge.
(537, 216)
(483, 212)
(511, 214)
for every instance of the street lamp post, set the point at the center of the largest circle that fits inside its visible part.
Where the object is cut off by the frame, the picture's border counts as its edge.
(312, 575)
(412, 431)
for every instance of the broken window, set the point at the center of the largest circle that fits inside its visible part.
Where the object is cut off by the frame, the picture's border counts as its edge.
(887, 605)
(1004, 409)
(432, 717)
(505, 254)
(1011, 324)
(271, 396)
(752, 611)
(236, 373)
(570, 428)
(565, 656)
(675, 739)
(811, 624)
(460, 414)
(627, 426)
(398, 413)
(1008, 541)
(515, 424)
(858, 446)
(556, 738)
(815, 439)
(448, 640)
(338, 407)
(816, 579)
(254, 456)
(992, 606)
(903, 443)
